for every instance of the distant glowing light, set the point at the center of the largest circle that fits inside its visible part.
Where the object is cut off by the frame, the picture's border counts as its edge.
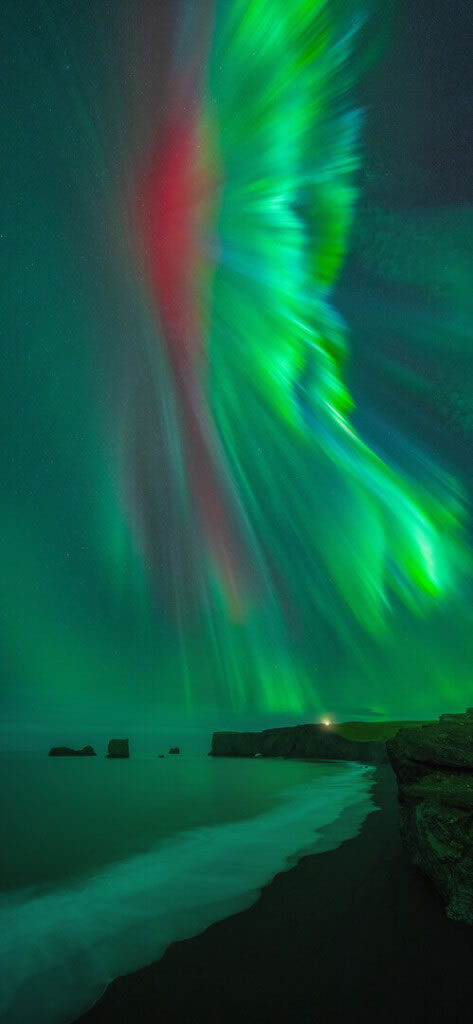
(326, 721)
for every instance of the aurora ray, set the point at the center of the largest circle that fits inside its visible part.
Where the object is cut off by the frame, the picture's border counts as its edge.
(263, 410)
(322, 562)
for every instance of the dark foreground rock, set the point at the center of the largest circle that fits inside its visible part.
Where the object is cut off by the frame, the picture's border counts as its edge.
(434, 769)
(70, 752)
(301, 741)
(118, 748)
(174, 750)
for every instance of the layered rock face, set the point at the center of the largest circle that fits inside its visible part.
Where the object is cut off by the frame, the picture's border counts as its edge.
(302, 741)
(70, 752)
(118, 748)
(434, 769)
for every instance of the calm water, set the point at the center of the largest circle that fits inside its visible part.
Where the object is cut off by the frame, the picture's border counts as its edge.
(109, 861)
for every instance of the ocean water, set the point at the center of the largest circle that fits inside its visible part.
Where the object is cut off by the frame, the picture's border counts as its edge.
(106, 863)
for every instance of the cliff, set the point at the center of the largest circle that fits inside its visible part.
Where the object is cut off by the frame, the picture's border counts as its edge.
(434, 769)
(319, 742)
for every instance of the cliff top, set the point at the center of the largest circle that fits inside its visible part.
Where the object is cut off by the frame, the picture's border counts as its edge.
(358, 732)
(371, 731)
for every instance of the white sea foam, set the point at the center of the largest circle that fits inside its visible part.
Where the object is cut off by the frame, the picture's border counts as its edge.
(59, 949)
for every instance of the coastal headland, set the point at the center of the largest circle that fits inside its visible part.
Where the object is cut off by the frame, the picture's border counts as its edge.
(344, 741)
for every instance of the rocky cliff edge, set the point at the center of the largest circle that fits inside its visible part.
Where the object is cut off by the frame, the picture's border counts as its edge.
(434, 769)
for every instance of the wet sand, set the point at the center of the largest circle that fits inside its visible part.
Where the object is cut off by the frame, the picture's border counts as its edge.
(354, 934)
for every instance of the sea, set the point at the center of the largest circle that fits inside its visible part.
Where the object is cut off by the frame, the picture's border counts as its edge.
(104, 863)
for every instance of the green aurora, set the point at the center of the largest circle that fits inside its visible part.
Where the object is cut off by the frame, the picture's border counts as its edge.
(339, 382)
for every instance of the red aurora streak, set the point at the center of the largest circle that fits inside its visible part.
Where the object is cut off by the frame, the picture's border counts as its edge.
(179, 192)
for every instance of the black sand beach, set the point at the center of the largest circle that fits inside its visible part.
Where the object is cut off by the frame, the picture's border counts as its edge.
(352, 934)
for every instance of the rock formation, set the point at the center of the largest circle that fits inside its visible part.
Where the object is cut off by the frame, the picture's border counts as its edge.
(302, 741)
(70, 752)
(174, 750)
(434, 769)
(118, 748)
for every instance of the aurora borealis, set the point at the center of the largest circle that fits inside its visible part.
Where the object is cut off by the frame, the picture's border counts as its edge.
(238, 416)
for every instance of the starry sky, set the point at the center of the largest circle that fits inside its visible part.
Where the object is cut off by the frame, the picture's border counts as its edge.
(332, 575)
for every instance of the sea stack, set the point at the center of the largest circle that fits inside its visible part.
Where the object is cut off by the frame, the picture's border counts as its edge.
(70, 752)
(434, 769)
(118, 748)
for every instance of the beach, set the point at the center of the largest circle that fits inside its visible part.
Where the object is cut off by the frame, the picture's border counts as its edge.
(355, 933)
(117, 860)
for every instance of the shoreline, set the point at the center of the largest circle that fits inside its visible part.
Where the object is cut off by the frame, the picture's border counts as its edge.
(354, 932)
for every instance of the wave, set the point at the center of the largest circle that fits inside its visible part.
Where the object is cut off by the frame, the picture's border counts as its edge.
(59, 949)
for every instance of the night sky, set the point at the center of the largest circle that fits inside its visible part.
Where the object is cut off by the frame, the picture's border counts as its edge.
(237, 418)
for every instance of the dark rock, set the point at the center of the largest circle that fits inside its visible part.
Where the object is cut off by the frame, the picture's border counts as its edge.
(174, 750)
(434, 769)
(301, 741)
(160, 755)
(118, 748)
(70, 752)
